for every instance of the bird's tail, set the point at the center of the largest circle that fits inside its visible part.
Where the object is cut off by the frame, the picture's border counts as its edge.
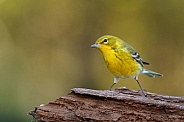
(151, 73)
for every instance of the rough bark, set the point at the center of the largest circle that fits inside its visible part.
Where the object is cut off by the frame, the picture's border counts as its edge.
(121, 105)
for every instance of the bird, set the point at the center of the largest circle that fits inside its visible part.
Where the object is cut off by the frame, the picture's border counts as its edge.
(122, 60)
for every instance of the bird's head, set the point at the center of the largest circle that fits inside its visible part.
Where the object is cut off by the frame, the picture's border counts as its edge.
(108, 42)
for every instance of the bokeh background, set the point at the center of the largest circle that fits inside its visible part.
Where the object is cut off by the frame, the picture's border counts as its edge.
(45, 48)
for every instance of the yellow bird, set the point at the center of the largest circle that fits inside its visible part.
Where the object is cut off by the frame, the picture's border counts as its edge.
(122, 59)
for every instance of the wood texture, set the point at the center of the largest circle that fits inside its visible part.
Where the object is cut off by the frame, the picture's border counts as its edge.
(121, 105)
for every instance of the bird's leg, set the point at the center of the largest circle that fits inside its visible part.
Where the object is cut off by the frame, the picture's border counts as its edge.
(115, 81)
(136, 78)
(111, 86)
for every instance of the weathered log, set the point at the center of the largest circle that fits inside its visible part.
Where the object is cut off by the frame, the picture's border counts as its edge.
(104, 105)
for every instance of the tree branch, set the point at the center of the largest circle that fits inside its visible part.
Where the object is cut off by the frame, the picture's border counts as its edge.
(104, 105)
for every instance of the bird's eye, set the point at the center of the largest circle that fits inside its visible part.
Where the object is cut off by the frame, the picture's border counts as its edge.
(105, 41)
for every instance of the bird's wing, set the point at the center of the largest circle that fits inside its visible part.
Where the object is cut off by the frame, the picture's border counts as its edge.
(135, 55)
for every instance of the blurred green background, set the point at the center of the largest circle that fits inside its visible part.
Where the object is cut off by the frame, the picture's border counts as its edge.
(45, 48)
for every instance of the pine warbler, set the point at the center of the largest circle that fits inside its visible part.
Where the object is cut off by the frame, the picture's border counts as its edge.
(122, 59)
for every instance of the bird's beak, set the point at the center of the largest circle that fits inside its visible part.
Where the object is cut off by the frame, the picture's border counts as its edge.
(95, 45)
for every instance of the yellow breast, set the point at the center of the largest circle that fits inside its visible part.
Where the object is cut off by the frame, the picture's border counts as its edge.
(121, 65)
